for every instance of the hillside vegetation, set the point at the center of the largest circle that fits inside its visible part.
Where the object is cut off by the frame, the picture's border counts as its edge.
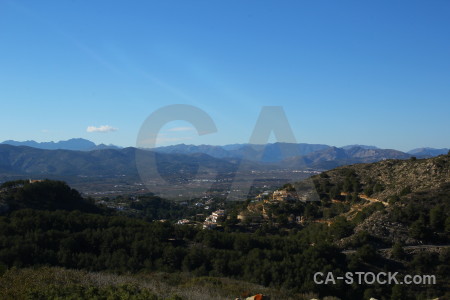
(415, 195)
(388, 178)
(42, 195)
(366, 216)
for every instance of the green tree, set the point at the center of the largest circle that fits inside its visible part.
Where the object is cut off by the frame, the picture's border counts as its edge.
(367, 253)
(447, 224)
(398, 251)
(437, 217)
(398, 293)
(418, 230)
(405, 191)
(334, 192)
(378, 188)
(341, 228)
(368, 190)
(393, 199)
(355, 197)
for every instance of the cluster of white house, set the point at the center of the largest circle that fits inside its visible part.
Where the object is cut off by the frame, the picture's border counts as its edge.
(284, 195)
(183, 222)
(212, 220)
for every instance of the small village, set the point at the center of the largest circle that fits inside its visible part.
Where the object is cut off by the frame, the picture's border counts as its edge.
(255, 214)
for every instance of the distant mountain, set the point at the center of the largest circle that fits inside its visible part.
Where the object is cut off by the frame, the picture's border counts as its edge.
(214, 151)
(360, 146)
(334, 157)
(78, 144)
(287, 155)
(275, 152)
(107, 162)
(183, 161)
(428, 152)
(113, 162)
(315, 155)
(103, 146)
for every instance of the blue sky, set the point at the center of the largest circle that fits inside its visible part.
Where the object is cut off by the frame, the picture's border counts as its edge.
(345, 72)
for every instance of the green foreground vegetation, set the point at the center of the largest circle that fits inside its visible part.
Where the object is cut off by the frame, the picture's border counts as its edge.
(56, 245)
(59, 283)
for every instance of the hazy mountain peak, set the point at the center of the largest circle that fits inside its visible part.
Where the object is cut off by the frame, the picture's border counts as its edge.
(359, 146)
(77, 144)
(428, 152)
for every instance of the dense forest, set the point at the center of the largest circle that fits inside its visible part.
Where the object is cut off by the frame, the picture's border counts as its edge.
(49, 224)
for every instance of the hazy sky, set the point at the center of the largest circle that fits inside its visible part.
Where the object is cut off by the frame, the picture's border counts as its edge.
(345, 72)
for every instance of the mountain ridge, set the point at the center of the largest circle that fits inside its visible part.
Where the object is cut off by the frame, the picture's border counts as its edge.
(174, 160)
(29, 160)
(428, 151)
(75, 144)
(270, 152)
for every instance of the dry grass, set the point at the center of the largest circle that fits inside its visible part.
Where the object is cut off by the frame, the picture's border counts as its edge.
(17, 284)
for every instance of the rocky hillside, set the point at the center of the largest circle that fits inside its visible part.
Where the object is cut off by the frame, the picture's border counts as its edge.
(405, 201)
(413, 198)
(396, 177)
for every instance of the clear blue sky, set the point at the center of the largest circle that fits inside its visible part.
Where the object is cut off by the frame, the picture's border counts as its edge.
(367, 72)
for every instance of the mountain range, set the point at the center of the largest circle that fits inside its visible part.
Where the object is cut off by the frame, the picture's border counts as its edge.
(77, 144)
(104, 162)
(79, 157)
(333, 157)
(428, 152)
(274, 152)
(311, 154)
(269, 153)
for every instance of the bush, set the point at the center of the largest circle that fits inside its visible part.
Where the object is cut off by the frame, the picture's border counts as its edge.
(398, 251)
(419, 230)
(405, 191)
(367, 253)
(341, 228)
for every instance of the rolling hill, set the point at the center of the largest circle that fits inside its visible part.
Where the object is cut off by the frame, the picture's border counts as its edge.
(107, 162)
(275, 152)
(76, 144)
(428, 152)
(186, 159)
(334, 157)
